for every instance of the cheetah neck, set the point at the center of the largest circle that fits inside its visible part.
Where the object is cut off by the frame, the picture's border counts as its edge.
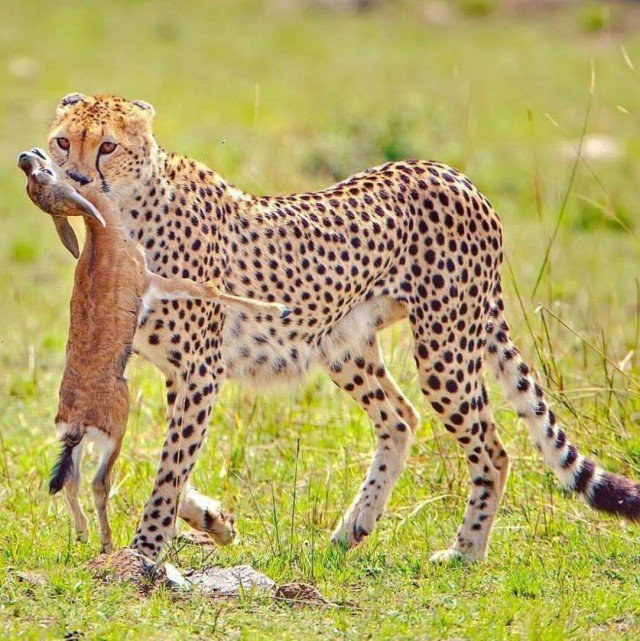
(173, 187)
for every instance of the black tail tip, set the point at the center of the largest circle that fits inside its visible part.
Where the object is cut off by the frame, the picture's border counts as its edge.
(616, 495)
(61, 469)
(55, 484)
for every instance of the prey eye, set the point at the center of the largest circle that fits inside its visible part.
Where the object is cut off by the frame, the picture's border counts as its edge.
(107, 148)
(63, 143)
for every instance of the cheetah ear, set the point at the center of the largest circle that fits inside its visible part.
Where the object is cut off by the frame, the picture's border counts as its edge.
(147, 108)
(71, 99)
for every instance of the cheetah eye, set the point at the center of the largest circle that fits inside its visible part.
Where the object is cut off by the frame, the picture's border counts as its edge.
(63, 143)
(107, 148)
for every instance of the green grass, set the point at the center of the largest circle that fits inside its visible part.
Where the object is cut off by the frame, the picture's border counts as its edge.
(283, 99)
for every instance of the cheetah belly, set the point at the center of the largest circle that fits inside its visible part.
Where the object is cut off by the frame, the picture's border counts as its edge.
(263, 353)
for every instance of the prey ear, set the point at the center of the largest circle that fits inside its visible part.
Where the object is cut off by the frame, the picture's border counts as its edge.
(67, 235)
(85, 207)
(146, 109)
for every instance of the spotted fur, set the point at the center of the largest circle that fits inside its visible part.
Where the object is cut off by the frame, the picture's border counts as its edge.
(410, 239)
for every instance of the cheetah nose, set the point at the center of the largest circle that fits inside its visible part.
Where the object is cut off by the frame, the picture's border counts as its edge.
(23, 156)
(79, 178)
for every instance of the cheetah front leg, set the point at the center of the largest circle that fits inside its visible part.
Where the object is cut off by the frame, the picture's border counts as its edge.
(200, 512)
(190, 410)
(364, 377)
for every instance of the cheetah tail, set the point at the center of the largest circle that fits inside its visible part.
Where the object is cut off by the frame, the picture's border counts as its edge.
(64, 465)
(601, 490)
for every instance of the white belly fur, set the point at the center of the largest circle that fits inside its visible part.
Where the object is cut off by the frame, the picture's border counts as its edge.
(264, 355)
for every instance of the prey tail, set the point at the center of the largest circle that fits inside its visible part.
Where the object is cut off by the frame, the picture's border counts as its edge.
(601, 490)
(64, 465)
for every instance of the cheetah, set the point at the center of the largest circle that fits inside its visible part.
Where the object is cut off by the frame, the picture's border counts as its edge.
(411, 239)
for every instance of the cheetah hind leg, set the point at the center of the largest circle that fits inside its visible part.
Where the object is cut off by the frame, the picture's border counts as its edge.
(465, 417)
(365, 378)
(488, 485)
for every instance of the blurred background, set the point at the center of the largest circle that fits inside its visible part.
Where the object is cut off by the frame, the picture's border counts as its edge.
(538, 102)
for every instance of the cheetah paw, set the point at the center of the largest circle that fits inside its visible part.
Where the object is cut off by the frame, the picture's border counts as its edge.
(448, 556)
(221, 528)
(193, 537)
(354, 527)
(206, 515)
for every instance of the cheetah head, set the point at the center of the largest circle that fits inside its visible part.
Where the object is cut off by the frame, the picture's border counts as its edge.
(103, 142)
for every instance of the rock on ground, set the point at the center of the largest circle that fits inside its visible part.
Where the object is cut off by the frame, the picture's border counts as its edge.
(129, 565)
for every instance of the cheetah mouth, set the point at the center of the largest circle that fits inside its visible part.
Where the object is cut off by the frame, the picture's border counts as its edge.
(94, 185)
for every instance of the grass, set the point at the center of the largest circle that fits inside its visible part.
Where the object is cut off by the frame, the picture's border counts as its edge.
(279, 98)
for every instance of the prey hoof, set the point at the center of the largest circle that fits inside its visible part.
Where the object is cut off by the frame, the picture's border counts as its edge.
(106, 548)
(83, 536)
